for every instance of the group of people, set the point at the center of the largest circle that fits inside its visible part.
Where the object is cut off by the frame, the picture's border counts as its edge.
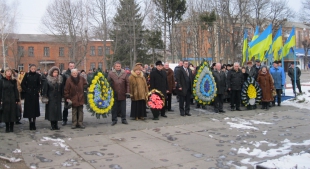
(70, 87)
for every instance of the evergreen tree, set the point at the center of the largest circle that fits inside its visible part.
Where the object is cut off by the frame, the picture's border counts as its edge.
(127, 34)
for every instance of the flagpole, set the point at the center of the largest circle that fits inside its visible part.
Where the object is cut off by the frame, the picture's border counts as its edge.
(294, 71)
(283, 89)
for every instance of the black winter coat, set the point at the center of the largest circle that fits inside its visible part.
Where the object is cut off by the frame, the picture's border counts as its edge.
(182, 83)
(252, 72)
(158, 80)
(9, 95)
(290, 73)
(31, 84)
(53, 90)
(235, 79)
(220, 80)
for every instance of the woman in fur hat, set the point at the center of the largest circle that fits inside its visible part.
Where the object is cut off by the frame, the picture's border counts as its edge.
(9, 98)
(53, 93)
(138, 93)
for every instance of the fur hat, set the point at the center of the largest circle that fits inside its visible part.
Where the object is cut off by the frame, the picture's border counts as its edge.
(137, 67)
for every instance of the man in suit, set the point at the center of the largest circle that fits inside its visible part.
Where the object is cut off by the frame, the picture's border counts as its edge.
(220, 80)
(158, 80)
(184, 79)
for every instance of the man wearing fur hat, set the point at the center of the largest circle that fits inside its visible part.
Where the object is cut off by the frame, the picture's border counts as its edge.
(250, 70)
(158, 80)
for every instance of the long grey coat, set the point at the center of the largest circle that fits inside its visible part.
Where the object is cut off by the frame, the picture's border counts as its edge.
(8, 96)
(53, 90)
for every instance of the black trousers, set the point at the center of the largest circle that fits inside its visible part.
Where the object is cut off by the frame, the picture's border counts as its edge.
(119, 105)
(279, 92)
(235, 98)
(298, 86)
(187, 100)
(168, 101)
(65, 113)
(218, 102)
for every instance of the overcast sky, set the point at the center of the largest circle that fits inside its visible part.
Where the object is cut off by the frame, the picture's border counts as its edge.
(31, 12)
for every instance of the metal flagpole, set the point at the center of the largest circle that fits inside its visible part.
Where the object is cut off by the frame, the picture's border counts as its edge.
(294, 71)
(283, 89)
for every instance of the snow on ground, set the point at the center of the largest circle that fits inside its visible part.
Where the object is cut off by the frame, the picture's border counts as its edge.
(244, 124)
(302, 160)
(302, 101)
(57, 142)
(295, 161)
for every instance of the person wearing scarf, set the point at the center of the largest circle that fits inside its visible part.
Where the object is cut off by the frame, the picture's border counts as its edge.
(9, 98)
(53, 94)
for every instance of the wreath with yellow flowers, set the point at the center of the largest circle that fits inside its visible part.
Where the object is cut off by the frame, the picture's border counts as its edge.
(100, 96)
(251, 93)
(204, 87)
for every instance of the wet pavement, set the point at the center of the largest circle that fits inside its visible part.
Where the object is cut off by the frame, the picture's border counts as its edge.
(203, 140)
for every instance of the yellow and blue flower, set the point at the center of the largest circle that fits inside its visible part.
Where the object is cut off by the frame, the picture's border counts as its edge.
(100, 96)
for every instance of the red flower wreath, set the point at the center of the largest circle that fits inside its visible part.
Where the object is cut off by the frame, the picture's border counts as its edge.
(155, 99)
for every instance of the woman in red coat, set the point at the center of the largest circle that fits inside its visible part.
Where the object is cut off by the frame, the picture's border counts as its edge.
(265, 81)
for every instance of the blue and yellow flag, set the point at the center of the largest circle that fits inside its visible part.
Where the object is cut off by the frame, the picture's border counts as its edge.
(277, 44)
(245, 46)
(256, 34)
(290, 42)
(262, 43)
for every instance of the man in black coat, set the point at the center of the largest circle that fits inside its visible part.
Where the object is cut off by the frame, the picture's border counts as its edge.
(176, 69)
(234, 83)
(220, 80)
(291, 74)
(184, 79)
(65, 76)
(257, 67)
(158, 80)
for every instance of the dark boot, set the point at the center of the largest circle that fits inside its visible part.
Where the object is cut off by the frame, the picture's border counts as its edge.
(56, 125)
(7, 127)
(52, 125)
(12, 127)
(30, 125)
(267, 106)
(34, 126)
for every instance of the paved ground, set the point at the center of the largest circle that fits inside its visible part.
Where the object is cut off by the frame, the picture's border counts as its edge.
(204, 140)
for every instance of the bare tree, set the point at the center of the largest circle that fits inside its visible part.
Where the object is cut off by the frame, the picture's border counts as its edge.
(7, 25)
(264, 12)
(304, 16)
(68, 21)
(102, 22)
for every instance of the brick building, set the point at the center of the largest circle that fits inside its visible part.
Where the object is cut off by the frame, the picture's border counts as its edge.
(46, 51)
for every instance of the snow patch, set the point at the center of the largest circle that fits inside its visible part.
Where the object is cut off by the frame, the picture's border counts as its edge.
(58, 142)
(245, 124)
(17, 151)
(296, 161)
(264, 132)
(241, 126)
(285, 149)
(297, 103)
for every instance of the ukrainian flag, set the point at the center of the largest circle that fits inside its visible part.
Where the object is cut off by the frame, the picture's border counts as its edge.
(245, 45)
(262, 43)
(277, 44)
(256, 33)
(290, 42)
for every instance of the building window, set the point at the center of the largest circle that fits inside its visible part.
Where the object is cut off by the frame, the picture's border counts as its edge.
(107, 50)
(209, 50)
(20, 67)
(31, 51)
(61, 67)
(20, 51)
(100, 50)
(100, 65)
(46, 51)
(92, 51)
(92, 65)
(70, 52)
(61, 51)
